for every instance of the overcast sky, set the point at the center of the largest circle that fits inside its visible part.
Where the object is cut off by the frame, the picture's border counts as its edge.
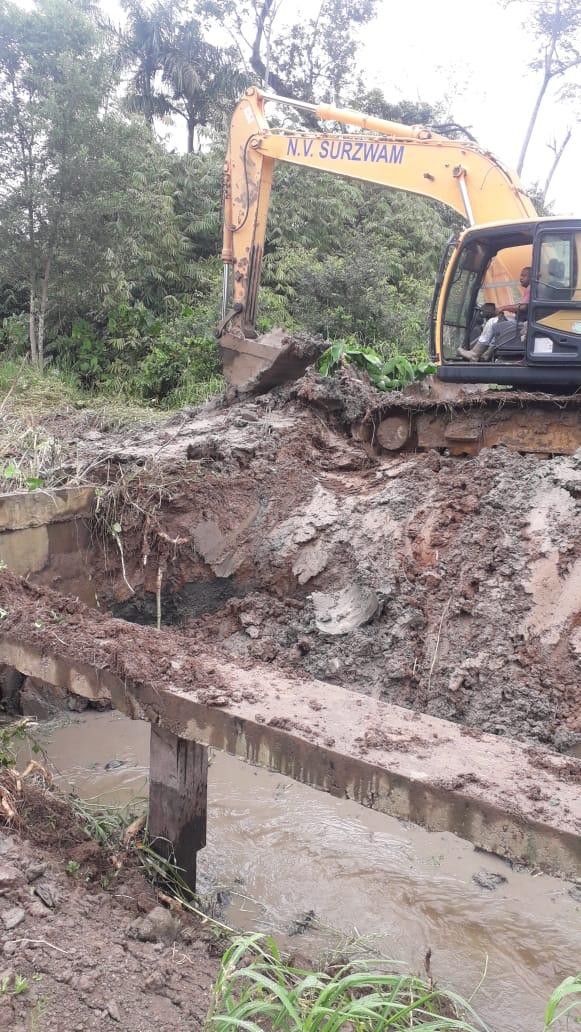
(475, 54)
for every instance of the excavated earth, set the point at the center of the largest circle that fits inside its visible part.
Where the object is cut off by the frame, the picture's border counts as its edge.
(272, 533)
(275, 535)
(83, 942)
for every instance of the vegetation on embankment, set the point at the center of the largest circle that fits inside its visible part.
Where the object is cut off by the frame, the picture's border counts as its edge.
(109, 256)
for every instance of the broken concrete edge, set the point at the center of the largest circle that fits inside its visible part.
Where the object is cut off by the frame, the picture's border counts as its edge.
(392, 783)
(90, 682)
(24, 509)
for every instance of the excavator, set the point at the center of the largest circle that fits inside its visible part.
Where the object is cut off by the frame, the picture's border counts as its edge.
(539, 350)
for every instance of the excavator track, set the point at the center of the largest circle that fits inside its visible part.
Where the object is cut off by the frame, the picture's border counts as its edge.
(463, 421)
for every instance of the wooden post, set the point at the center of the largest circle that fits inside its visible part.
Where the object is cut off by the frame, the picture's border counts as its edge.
(178, 796)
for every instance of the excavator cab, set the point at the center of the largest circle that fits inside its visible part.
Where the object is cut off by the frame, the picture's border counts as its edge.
(542, 347)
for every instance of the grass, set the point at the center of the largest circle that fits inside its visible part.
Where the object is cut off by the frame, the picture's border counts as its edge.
(567, 994)
(42, 416)
(40, 419)
(258, 990)
(107, 825)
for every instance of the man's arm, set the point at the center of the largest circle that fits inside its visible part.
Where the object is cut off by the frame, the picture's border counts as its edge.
(520, 308)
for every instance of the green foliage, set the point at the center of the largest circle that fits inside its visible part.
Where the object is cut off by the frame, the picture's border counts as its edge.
(109, 246)
(387, 374)
(10, 738)
(257, 990)
(311, 55)
(145, 356)
(352, 258)
(569, 993)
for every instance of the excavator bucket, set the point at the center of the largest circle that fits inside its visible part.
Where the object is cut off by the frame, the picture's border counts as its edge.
(256, 366)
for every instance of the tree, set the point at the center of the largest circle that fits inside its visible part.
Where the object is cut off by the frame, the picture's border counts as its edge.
(557, 149)
(312, 59)
(173, 69)
(556, 27)
(86, 209)
(202, 81)
(141, 46)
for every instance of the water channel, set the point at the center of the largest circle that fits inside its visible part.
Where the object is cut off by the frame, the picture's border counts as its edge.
(279, 849)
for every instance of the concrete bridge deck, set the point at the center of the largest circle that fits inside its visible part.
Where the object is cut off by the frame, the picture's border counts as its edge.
(509, 798)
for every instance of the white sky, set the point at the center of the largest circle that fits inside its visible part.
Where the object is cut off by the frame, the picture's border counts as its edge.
(474, 56)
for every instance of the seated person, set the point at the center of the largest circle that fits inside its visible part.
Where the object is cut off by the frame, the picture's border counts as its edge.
(484, 342)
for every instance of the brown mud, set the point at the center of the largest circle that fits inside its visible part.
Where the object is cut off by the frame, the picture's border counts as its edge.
(448, 585)
(73, 933)
(279, 539)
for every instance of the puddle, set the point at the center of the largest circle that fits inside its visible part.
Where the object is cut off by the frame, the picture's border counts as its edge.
(286, 849)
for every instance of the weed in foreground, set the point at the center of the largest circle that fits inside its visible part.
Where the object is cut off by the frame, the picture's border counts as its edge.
(107, 825)
(568, 994)
(257, 989)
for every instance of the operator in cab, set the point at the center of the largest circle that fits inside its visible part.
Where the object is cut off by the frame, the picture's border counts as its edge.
(478, 352)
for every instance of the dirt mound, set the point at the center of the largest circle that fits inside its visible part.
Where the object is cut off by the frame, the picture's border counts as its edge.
(448, 585)
(72, 953)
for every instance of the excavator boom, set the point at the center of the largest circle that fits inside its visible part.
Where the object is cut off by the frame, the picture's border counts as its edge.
(412, 158)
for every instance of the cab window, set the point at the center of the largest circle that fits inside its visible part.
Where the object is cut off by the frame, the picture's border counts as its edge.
(462, 296)
(559, 267)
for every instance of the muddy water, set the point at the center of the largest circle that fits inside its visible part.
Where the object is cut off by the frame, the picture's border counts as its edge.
(282, 849)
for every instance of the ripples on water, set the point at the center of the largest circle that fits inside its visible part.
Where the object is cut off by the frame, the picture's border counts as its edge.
(282, 849)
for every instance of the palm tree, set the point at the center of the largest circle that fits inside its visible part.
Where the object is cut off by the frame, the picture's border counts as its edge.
(141, 46)
(202, 80)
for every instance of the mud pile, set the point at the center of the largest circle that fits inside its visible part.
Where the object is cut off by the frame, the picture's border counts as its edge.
(84, 945)
(447, 585)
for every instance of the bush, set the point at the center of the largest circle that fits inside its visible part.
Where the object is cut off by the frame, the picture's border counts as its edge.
(170, 359)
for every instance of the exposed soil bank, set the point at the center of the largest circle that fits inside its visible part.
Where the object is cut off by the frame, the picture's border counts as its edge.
(74, 924)
(448, 585)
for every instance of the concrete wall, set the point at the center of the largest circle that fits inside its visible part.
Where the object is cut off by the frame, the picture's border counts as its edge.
(45, 535)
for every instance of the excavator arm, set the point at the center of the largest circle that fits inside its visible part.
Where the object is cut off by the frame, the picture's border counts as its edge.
(459, 174)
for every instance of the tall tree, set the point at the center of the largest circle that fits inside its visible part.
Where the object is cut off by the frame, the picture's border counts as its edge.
(556, 27)
(141, 45)
(311, 58)
(202, 81)
(85, 202)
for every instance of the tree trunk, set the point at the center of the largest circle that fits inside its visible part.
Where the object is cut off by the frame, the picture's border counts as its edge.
(42, 311)
(191, 134)
(532, 123)
(559, 151)
(32, 337)
(32, 320)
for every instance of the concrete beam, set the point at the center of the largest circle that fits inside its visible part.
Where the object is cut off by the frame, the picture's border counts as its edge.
(178, 799)
(506, 797)
(23, 509)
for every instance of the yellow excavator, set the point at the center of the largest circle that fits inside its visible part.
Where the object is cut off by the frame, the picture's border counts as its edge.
(479, 273)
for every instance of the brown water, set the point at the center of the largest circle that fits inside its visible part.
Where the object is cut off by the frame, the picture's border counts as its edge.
(283, 849)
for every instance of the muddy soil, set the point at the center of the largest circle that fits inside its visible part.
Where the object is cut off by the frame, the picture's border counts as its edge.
(84, 930)
(447, 585)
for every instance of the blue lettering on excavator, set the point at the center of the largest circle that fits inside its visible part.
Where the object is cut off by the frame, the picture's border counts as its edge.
(347, 150)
